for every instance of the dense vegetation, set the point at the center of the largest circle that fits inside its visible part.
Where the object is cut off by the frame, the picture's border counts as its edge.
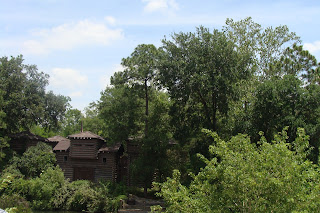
(33, 180)
(245, 83)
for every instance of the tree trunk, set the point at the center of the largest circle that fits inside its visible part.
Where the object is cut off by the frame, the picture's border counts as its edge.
(147, 107)
(214, 112)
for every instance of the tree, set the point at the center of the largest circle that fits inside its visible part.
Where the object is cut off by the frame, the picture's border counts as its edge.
(243, 177)
(55, 109)
(266, 45)
(91, 121)
(72, 122)
(3, 138)
(34, 160)
(140, 71)
(200, 71)
(298, 62)
(25, 101)
(284, 102)
(153, 161)
(120, 109)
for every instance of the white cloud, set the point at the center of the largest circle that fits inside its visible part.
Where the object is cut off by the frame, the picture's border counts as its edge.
(72, 35)
(76, 94)
(312, 47)
(65, 78)
(160, 5)
(110, 20)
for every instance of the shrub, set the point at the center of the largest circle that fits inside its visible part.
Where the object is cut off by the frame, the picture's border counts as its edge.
(82, 195)
(15, 202)
(244, 177)
(42, 190)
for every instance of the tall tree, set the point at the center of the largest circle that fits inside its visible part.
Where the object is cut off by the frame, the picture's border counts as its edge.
(266, 45)
(283, 102)
(200, 71)
(26, 102)
(72, 122)
(120, 109)
(140, 71)
(3, 138)
(299, 62)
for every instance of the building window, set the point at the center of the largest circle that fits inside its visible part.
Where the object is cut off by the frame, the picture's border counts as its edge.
(104, 160)
(65, 158)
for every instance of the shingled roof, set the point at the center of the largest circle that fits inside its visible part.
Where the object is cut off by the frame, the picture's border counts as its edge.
(85, 135)
(113, 148)
(28, 135)
(63, 143)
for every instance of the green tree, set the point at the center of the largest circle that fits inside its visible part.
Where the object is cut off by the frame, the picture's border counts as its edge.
(54, 112)
(299, 62)
(72, 122)
(3, 138)
(200, 71)
(266, 45)
(91, 121)
(120, 110)
(153, 161)
(243, 177)
(140, 72)
(25, 101)
(34, 160)
(284, 102)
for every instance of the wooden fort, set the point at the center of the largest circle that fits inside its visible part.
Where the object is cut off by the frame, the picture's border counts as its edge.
(85, 155)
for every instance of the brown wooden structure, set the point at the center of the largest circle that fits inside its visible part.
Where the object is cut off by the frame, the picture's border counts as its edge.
(86, 156)
(21, 141)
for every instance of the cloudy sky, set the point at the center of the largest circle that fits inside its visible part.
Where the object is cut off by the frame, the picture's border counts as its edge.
(80, 43)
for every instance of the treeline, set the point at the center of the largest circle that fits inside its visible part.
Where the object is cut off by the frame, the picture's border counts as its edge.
(243, 79)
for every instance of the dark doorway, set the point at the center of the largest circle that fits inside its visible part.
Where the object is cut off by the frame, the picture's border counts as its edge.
(123, 169)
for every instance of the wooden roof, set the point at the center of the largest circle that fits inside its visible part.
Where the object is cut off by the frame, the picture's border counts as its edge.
(28, 135)
(85, 135)
(63, 143)
(113, 148)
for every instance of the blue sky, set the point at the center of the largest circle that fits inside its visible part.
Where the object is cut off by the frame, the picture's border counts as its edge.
(80, 43)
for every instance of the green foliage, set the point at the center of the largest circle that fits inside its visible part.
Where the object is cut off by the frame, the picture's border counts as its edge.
(72, 122)
(91, 121)
(200, 71)
(81, 197)
(120, 110)
(35, 160)
(3, 138)
(25, 101)
(43, 188)
(284, 102)
(266, 45)
(14, 204)
(245, 177)
(155, 145)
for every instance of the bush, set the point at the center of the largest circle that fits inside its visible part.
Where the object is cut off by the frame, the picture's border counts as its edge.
(82, 195)
(100, 197)
(50, 191)
(244, 177)
(16, 202)
(42, 190)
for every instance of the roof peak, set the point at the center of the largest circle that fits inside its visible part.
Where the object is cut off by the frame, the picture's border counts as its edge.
(85, 135)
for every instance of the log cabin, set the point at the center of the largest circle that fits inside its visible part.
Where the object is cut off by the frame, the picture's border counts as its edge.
(86, 155)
